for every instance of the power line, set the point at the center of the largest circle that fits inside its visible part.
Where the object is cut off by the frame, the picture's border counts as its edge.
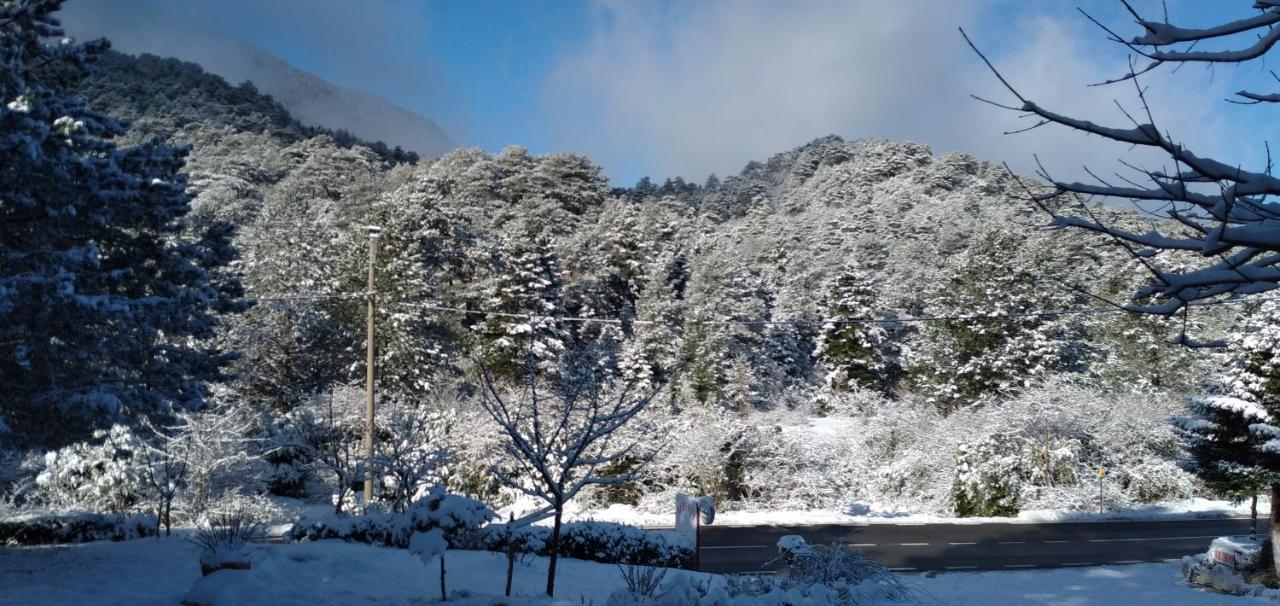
(970, 317)
(303, 297)
(823, 322)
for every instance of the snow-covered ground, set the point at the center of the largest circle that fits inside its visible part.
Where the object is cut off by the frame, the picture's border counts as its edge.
(162, 571)
(1196, 508)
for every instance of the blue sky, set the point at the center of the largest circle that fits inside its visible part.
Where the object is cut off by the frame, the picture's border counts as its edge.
(667, 88)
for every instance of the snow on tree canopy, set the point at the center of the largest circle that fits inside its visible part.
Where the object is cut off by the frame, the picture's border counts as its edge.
(107, 300)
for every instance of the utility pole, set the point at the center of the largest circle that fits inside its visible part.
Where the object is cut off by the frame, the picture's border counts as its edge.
(374, 232)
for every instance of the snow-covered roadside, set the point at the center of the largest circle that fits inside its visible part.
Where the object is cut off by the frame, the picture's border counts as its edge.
(161, 571)
(1190, 509)
(1086, 586)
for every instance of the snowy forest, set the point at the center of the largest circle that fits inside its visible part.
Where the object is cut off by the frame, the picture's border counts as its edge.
(861, 327)
(743, 298)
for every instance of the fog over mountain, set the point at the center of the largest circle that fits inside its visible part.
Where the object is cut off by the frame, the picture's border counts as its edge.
(141, 27)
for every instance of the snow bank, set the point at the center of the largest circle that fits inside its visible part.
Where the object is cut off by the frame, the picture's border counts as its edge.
(1089, 586)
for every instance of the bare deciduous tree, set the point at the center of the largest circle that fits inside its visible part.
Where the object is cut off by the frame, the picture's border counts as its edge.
(1219, 210)
(409, 453)
(561, 435)
(328, 433)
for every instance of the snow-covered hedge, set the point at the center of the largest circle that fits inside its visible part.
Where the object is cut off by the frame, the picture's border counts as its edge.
(597, 541)
(455, 515)
(75, 528)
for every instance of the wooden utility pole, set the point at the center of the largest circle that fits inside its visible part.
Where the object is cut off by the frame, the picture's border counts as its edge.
(374, 232)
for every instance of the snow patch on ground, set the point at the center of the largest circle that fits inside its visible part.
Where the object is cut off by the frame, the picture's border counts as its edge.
(161, 571)
(141, 572)
(1095, 586)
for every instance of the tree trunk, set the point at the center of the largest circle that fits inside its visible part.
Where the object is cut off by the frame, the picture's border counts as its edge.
(1253, 517)
(554, 545)
(444, 597)
(511, 553)
(1274, 531)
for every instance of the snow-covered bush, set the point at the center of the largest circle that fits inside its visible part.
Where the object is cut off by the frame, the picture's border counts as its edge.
(103, 475)
(258, 507)
(988, 478)
(902, 454)
(680, 590)
(219, 451)
(456, 516)
(605, 542)
(1151, 481)
(79, 527)
(843, 575)
(327, 431)
(696, 457)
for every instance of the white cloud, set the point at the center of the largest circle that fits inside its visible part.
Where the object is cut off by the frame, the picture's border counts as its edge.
(692, 89)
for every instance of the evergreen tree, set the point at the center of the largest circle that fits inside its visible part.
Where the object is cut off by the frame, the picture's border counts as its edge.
(526, 290)
(305, 253)
(959, 360)
(107, 302)
(854, 354)
(1234, 437)
(1223, 448)
(424, 250)
(728, 348)
(655, 347)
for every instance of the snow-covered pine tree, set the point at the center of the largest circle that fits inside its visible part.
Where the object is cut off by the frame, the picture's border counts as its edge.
(1222, 446)
(854, 354)
(301, 254)
(728, 349)
(106, 301)
(526, 290)
(425, 249)
(1234, 438)
(959, 362)
(655, 348)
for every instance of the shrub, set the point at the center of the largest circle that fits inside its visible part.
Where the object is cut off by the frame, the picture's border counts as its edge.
(455, 515)
(105, 475)
(75, 528)
(224, 540)
(605, 542)
(987, 478)
(642, 581)
(834, 574)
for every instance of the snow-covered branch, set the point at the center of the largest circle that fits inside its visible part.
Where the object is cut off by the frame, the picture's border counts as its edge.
(1216, 208)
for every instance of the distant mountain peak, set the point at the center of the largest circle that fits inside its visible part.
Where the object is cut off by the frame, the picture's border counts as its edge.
(137, 26)
(317, 102)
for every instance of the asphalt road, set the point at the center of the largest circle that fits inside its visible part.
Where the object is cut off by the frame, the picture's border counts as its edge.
(997, 546)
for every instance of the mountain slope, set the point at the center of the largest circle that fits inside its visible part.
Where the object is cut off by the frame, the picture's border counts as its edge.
(317, 102)
(138, 27)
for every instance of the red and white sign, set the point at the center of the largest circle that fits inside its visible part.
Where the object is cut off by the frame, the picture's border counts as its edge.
(688, 509)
